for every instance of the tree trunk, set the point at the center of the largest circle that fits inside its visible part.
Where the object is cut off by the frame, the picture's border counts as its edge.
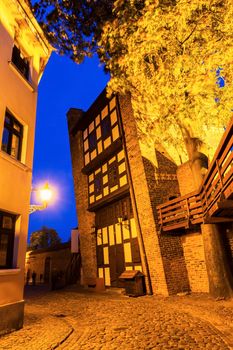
(217, 264)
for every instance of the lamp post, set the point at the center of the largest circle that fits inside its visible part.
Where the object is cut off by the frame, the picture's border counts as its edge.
(45, 194)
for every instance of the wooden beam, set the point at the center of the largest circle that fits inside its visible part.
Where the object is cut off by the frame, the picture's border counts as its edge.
(216, 220)
(226, 204)
(182, 224)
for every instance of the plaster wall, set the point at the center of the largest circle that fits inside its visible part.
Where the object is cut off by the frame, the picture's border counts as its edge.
(15, 176)
(19, 96)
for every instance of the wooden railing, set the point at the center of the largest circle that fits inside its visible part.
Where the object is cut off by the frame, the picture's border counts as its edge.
(214, 200)
(180, 212)
(217, 186)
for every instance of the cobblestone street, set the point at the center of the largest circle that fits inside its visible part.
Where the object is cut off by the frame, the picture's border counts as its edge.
(76, 319)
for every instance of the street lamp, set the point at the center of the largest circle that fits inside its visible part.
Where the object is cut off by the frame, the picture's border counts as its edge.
(45, 194)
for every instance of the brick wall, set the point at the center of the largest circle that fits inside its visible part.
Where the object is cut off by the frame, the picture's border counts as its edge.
(86, 219)
(35, 260)
(142, 206)
(195, 262)
(192, 242)
(162, 185)
(174, 262)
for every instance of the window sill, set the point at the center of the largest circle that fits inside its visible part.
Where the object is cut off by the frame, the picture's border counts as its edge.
(23, 79)
(14, 161)
(6, 272)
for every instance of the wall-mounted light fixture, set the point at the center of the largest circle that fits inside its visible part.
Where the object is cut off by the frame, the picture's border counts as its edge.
(122, 221)
(45, 195)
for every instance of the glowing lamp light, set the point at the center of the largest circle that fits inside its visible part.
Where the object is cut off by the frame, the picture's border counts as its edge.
(45, 193)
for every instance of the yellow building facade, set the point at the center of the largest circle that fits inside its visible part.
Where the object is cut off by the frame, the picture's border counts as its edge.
(24, 52)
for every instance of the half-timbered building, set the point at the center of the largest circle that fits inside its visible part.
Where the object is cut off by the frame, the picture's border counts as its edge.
(108, 197)
(116, 218)
(120, 184)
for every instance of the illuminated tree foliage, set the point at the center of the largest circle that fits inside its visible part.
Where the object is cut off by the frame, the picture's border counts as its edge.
(164, 52)
(172, 61)
(44, 238)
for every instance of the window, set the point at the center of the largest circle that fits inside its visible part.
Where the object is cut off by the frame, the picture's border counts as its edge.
(12, 136)
(21, 63)
(7, 233)
(98, 184)
(113, 174)
(106, 128)
(92, 140)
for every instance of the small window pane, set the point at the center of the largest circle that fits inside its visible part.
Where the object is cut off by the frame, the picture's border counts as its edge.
(92, 140)
(7, 120)
(3, 249)
(113, 175)
(98, 184)
(5, 139)
(7, 222)
(15, 146)
(17, 127)
(106, 128)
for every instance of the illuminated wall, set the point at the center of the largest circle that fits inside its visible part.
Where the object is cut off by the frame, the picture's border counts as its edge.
(24, 53)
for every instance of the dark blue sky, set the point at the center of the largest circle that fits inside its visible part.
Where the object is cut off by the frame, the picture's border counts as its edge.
(63, 85)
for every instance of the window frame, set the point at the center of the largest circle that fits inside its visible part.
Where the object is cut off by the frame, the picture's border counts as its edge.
(98, 189)
(12, 132)
(10, 244)
(106, 127)
(113, 170)
(21, 63)
(92, 141)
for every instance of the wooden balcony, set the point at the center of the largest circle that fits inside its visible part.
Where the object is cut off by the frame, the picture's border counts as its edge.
(213, 203)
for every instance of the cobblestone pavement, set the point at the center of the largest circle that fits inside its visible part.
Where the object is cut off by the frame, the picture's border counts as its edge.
(73, 319)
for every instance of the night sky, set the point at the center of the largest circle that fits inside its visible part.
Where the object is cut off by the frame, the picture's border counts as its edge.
(63, 85)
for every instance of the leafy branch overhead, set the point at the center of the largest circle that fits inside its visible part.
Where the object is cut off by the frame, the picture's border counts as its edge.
(170, 66)
(170, 55)
(44, 238)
